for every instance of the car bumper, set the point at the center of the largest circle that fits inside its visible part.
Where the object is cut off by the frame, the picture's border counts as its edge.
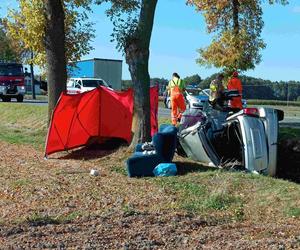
(4, 91)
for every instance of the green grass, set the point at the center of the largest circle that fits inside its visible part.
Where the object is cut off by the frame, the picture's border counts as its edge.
(286, 133)
(28, 96)
(20, 183)
(273, 102)
(237, 196)
(39, 219)
(293, 212)
(119, 169)
(35, 138)
(23, 124)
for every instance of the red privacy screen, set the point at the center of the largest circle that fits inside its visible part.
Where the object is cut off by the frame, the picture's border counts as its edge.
(100, 114)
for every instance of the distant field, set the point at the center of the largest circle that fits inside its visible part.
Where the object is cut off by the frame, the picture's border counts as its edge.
(273, 102)
(289, 111)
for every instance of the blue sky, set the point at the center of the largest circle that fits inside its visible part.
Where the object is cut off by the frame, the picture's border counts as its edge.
(179, 31)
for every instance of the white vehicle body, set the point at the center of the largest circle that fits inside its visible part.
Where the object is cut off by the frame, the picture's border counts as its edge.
(80, 85)
(248, 137)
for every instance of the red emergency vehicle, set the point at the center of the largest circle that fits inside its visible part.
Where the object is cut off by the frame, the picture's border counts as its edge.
(12, 82)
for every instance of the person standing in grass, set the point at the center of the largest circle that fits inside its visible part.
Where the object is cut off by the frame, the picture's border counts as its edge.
(176, 88)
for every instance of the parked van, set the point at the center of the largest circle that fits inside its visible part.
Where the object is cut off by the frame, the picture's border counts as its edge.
(80, 85)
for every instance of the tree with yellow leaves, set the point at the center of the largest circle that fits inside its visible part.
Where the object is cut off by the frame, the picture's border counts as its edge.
(57, 31)
(238, 25)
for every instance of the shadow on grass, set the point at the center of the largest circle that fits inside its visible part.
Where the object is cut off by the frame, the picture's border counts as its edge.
(95, 150)
(185, 167)
(288, 166)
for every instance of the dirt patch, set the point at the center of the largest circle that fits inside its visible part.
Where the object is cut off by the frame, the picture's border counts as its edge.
(151, 231)
(289, 160)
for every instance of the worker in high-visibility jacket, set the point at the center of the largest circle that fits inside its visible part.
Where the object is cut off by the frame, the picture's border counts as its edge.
(235, 83)
(216, 90)
(176, 88)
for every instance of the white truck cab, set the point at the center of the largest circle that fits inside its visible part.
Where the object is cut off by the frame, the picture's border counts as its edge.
(80, 85)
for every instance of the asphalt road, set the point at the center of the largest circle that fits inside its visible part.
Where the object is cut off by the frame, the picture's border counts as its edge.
(166, 113)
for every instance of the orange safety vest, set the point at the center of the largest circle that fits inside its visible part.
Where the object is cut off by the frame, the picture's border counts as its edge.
(235, 83)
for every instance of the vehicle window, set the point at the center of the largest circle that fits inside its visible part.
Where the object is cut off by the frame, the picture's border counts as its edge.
(11, 70)
(205, 92)
(70, 83)
(94, 83)
(193, 92)
(77, 84)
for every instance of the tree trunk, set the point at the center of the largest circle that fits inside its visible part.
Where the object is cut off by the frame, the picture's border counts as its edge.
(55, 51)
(235, 15)
(138, 67)
(137, 57)
(32, 77)
(236, 26)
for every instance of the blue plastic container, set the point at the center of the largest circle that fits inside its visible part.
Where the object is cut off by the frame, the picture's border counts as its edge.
(165, 169)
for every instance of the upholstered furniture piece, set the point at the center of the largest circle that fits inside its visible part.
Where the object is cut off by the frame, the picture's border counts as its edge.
(142, 163)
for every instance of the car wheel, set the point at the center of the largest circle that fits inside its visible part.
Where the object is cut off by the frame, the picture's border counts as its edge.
(6, 99)
(169, 104)
(20, 98)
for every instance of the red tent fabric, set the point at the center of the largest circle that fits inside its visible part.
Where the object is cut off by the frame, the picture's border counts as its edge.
(154, 109)
(99, 114)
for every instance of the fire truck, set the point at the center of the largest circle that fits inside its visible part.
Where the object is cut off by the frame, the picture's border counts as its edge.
(11, 82)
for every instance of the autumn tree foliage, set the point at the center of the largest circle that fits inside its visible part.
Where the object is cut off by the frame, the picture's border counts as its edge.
(237, 25)
(28, 25)
(57, 32)
(7, 51)
(133, 23)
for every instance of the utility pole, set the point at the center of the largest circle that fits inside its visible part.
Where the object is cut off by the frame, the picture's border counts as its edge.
(288, 95)
(32, 76)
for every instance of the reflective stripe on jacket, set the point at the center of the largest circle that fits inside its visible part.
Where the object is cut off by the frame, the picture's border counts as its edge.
(176, 86)
(216, 88)
(235, 83)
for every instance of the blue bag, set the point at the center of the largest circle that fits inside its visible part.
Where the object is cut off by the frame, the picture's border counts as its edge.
(165, 169)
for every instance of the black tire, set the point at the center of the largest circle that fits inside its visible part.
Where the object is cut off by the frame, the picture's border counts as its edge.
(6, 99)
(20, 98)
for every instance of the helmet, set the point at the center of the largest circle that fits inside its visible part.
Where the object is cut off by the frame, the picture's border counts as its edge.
(235, 74)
